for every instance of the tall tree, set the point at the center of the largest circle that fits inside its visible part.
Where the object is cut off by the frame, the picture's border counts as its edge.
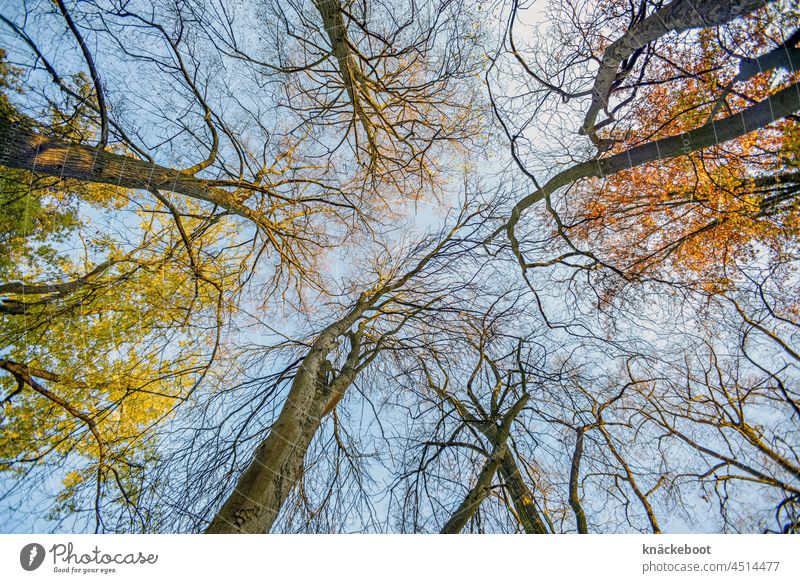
(327, 265)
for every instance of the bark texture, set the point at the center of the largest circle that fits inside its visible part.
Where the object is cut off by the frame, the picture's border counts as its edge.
(347, 62)
(521, 496)
(21, 147)
(483, 483)
(574, 477)
(277, 464)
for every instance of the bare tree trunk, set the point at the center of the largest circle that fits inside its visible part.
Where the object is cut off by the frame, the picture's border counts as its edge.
(349, 69)
(480, 490)
(574, 476)
(521, 496)
(763, 113)
(472, 501)
(21, 147)
(678, 16)
(277, 465)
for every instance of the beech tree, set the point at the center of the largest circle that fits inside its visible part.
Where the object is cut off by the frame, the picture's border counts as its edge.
(399, 266)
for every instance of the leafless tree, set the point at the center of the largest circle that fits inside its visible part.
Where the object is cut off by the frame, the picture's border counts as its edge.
(393, 259)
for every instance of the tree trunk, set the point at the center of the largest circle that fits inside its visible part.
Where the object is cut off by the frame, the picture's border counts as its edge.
(574, 477)
(499, 457)
(521, 496)
(277, 465)
(677, 16)
(472, 501)
(23, 148)
(763, 113)
(352, 77)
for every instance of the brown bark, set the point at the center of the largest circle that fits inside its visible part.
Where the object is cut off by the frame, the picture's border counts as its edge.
(525, 510)
(483, 483)
(476, 494)
(574, 477)
(277, 465)
(521, 496)
(21, 147)
(349, 69)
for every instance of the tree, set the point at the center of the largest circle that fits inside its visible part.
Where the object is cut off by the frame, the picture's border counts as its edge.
(722, 201)
(400, 266)
(292, 194)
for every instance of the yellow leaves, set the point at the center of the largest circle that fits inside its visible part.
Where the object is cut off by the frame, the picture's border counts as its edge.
(125, 347)
(72, 479)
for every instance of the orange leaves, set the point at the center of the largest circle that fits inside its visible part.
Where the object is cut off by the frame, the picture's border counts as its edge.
(697, 217)
(694, 216)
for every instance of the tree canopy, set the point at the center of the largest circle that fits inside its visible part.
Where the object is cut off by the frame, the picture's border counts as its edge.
(400, 266)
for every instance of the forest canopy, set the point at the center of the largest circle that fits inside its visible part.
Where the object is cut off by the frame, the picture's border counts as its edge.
(400, 266)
